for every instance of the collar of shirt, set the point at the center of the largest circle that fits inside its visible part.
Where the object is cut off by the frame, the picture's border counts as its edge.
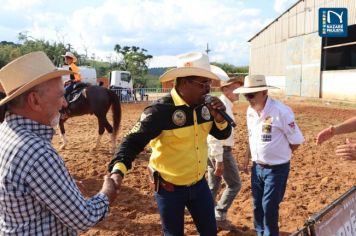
(228, 104)
(265, 110)
(178, 100)
(43, 131)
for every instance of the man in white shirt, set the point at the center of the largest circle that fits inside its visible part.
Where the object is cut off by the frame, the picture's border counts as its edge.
(273, 136)
(222, 163)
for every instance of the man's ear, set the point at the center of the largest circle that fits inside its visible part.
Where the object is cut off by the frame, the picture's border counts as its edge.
(33, 100)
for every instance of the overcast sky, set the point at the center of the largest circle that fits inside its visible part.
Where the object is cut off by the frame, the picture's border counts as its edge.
(163, 27)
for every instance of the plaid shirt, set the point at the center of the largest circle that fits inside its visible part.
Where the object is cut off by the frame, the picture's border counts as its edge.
(37, 194)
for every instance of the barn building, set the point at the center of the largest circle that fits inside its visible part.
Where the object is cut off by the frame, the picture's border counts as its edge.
(292, 55)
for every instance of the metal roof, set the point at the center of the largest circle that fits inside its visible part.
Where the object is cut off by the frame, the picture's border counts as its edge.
(274, 20)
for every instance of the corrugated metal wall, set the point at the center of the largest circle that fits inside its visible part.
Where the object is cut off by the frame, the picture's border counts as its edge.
(270, 52)
(300, 20)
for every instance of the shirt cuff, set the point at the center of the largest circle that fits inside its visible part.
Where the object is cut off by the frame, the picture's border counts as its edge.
(104, 197)
(222, 125)
(120, 166)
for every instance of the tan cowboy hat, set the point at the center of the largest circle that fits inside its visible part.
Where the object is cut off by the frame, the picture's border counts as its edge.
(190, 64)
(231, 81)
(25, 72)
(253, 84)
(71, 55)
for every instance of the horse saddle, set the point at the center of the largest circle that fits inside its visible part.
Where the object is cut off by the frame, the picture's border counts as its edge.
(78, 91)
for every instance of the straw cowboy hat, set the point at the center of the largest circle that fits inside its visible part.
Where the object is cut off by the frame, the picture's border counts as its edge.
(25, 72)
(231, 81)
(71, 55)
(190, 64)
(253, 84)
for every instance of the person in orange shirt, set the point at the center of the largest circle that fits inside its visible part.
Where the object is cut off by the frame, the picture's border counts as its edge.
(74, 78)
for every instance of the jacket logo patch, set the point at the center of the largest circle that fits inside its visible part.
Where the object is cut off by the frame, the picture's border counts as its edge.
(144, 116)
(179, 118)
(205, 113)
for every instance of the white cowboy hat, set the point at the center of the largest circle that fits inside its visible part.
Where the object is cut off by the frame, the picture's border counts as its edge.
(253, 84)
(71, 55)
(190, 64)
(25, 72)
(220, 73)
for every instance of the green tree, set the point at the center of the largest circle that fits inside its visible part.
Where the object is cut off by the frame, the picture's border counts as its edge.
(53, 50)
(228, 68)
(134, 59)
(8, 52)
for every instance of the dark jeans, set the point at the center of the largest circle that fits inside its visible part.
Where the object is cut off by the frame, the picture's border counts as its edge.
(68, 89)
(198, 200)
(268, 187)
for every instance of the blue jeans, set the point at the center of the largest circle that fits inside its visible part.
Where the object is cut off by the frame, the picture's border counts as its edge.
(68, 89)
(268, 187)
(232, 179)
(198, 200)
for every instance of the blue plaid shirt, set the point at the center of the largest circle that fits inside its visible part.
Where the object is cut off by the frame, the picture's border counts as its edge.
(37, 194)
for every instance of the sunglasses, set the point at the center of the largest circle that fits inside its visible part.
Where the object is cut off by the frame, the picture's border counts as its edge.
(204, 84)
(250, 95)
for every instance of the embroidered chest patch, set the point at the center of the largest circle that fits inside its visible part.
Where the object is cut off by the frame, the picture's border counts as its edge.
(205, 113)
(179, 118)
(266, 135)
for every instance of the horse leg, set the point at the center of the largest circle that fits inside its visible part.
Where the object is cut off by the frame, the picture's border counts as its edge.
(101, 130)
(109, 128)
(62, 134)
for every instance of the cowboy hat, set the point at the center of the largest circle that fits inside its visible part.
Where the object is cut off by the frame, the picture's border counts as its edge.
(231, 81)
(190, 64)
(25, 72)
(71, 55)
(253, 84)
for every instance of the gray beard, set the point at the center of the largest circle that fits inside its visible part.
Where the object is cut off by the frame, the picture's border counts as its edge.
(55, 121)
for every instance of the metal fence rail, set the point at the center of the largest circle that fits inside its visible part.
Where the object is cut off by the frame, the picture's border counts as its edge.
(143, 94)
(140, 94)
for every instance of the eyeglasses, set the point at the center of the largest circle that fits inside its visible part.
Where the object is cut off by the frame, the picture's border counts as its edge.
(250, 95)
(204, 84)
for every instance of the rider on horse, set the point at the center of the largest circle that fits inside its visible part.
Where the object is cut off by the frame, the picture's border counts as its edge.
(70, 60)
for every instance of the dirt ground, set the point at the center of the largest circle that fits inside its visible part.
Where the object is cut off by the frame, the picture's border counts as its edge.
(316, 179)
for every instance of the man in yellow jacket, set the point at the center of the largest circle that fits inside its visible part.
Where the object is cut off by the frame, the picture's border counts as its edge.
(74, 78)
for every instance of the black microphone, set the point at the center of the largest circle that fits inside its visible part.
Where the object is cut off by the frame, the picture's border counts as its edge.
(208, 100)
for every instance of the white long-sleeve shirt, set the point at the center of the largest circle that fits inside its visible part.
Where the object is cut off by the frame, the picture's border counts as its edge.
(271, 133)
(216, 146)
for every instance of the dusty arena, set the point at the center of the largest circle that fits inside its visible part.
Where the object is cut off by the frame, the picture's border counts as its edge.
(317, 176)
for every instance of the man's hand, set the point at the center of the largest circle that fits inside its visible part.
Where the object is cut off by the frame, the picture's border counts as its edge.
(346, 151)
(219, 168)
(215, 105)
(117, 180)
(109, 189)
(325, 135)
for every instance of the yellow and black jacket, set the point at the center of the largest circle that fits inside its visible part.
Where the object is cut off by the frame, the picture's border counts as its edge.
(178, 136)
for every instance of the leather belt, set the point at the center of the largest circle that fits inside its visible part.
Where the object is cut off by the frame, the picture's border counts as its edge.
(268, 166)
(171, 187)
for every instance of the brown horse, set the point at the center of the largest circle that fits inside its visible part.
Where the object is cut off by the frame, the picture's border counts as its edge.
(94, 100)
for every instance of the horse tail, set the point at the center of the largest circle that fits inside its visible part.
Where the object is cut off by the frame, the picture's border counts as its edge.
(116, 110)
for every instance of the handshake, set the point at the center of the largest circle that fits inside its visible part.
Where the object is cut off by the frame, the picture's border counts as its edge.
(111, 186)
